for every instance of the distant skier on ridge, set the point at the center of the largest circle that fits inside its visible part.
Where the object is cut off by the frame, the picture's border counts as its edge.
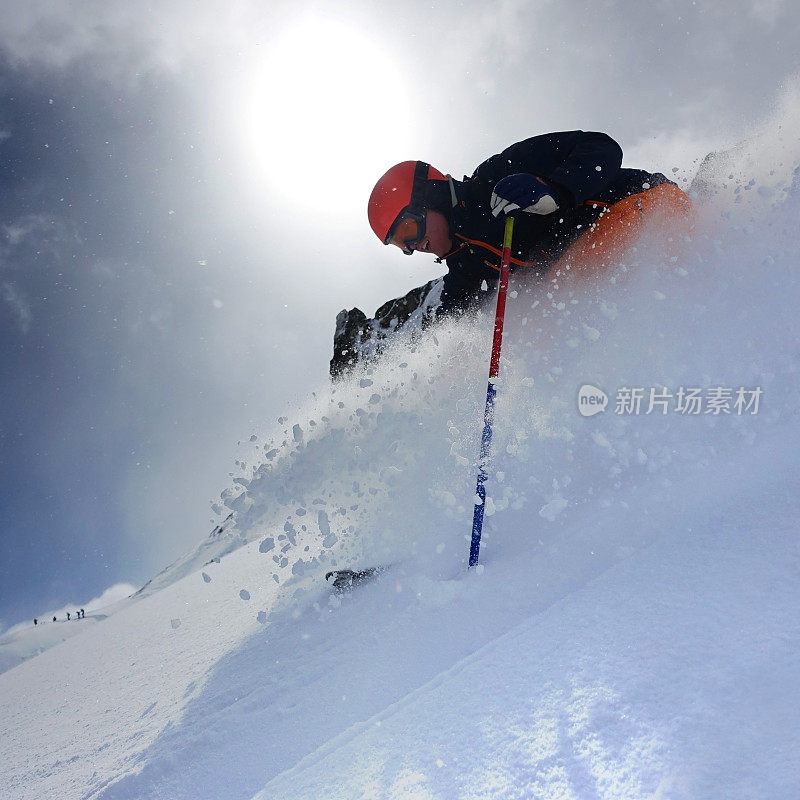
(575, 205)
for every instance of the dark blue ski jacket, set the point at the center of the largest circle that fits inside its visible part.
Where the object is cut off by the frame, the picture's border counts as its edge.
(584, 169)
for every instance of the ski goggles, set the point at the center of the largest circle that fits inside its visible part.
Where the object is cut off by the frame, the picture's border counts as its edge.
(407, 230)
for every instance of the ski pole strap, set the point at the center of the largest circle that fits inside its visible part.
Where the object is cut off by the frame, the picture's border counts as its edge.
(488, 413)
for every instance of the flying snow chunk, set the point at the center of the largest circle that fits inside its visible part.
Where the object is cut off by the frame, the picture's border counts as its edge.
(445, 498)
(267, 545)
(206, 577)
(244, 594)
(176, 623)
(299, 567)
(592, 334)
(262, 617)
(601, 440)
(329, 538)
(609, 310)
(552, 509)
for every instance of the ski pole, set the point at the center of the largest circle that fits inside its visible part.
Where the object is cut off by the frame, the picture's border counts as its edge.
(488, 413)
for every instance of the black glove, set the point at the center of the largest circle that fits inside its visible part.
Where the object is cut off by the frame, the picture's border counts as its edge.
(523, 192)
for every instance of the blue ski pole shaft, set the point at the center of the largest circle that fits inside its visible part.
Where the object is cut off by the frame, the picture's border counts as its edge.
(488, 414)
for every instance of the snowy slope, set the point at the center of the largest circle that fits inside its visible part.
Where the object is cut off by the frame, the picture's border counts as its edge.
(654, 679)
(19, 645)
(633, 632)
(26, 640)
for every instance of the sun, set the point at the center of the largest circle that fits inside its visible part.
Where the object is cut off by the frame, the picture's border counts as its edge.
(327, 115)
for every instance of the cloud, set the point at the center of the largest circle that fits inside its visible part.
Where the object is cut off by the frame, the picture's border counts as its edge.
(56, 34)
(766, 12)
(512, 63)
(31, 238)
(19, 305)
(47, 230)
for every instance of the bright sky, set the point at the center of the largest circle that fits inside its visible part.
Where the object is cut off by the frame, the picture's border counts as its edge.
(182, 215)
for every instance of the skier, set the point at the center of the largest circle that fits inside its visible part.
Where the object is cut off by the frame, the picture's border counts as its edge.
(576, 208)
(575, 205)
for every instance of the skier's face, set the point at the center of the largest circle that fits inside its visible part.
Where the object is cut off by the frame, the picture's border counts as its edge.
(437, 235)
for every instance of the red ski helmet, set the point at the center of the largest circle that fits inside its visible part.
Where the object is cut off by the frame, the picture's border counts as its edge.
(405, 187)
